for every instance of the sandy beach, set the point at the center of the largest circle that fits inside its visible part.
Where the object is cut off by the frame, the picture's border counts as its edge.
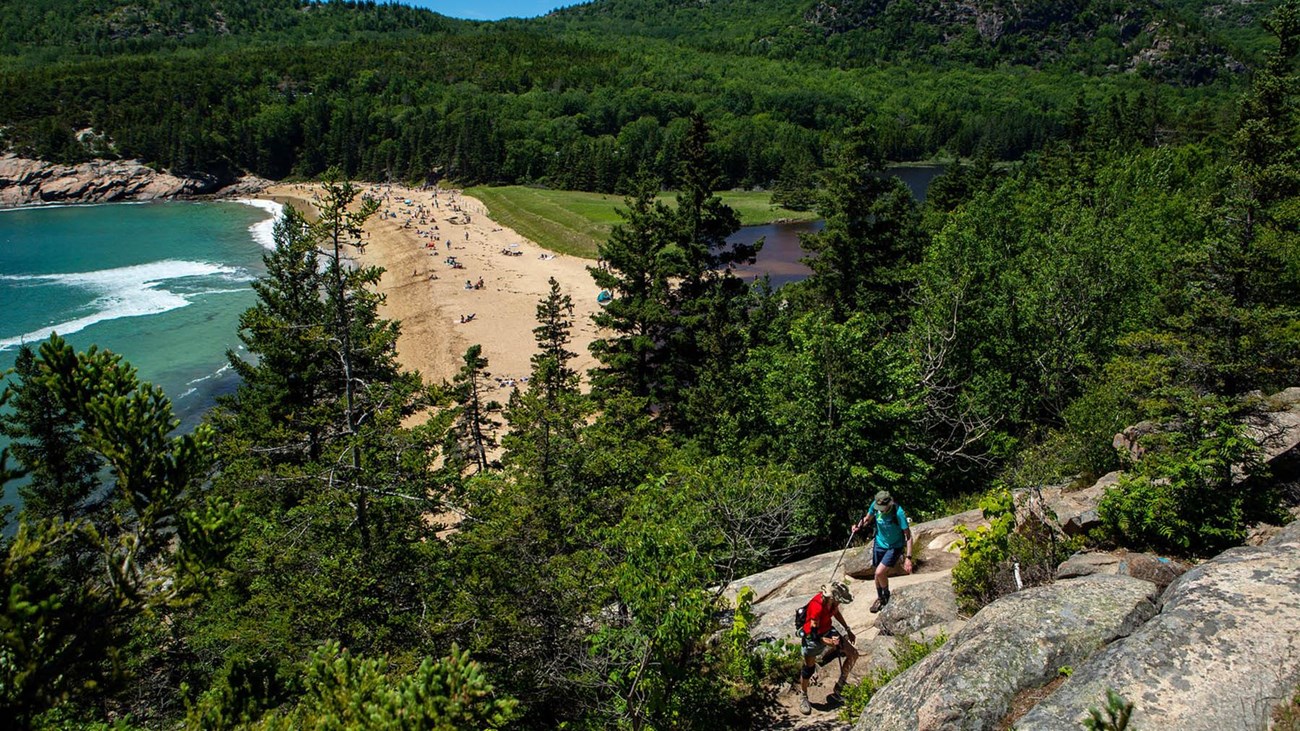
(412, 237)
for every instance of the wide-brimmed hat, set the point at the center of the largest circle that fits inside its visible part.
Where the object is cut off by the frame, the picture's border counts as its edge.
(839, 591)
(884, 500)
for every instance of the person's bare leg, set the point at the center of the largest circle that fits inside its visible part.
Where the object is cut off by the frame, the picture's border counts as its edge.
(850, 658)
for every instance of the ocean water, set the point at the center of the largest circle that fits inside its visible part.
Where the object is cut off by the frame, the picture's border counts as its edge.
(162, 284)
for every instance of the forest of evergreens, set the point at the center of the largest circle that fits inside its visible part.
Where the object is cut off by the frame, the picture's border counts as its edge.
(587, 98)
(289, 564)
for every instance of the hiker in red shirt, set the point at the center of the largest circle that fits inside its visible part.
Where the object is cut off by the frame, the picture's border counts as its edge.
(820, 636)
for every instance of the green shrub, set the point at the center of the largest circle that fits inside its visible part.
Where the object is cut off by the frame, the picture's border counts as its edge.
(1190, 493)
(909, 653)
(1286, 717)
(1116, 717)
(983, 551)
(748, 667)
(992, 554)
(343, 691)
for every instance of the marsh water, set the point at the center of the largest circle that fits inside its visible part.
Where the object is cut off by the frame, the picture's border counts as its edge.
(782, 250)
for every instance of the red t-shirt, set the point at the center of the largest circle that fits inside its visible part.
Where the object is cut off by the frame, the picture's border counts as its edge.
(820, 612)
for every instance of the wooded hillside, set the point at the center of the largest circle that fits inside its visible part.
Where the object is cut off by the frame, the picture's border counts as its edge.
(342, 545)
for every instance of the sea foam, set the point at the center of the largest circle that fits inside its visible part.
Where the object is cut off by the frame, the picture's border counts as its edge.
(263, 232)
(130, 291)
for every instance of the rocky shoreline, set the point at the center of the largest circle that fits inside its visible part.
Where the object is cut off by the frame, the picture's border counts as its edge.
(27, 182)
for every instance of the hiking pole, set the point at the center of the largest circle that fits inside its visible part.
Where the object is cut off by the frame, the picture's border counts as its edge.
(841, 558)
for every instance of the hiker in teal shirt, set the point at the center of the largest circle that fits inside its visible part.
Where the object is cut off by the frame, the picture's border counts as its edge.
(893, 542)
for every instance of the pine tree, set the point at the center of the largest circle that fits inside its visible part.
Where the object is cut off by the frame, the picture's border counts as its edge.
(73, 588)
(62, 470)
(471, 435)
(675, 299)
(546, 419)
(1234, 310)
(282, 393)
(636, 269)
(365, 347)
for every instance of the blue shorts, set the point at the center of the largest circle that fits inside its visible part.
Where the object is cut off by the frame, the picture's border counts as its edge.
(887, 556)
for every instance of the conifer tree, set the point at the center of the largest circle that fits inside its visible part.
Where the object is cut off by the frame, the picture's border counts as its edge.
(863, 259)
(281, 394)
(471, 435)
(546, 418)
(62, 470)
(73, 587)
(636, 270)
(1234, 309)
(669, 271)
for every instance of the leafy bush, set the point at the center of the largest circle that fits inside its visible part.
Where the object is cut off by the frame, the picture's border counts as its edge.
(858, 695)
(1190, 493)
(983, 551)
(750, 667)
(993, 555)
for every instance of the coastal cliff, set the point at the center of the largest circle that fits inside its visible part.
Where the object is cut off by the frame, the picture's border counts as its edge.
(26, 182)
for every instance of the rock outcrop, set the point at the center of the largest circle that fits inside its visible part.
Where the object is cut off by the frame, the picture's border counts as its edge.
(1218, 648)
(914, 608)
(1158, 570)
(1224, 650)
(1018, 642)
(31, 182)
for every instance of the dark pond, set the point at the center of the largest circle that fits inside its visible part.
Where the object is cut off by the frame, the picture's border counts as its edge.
(781, 252)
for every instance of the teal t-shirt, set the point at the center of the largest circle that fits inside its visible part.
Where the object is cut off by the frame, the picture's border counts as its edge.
(890, 527)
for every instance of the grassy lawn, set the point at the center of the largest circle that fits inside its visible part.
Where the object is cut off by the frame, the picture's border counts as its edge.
(575, 223)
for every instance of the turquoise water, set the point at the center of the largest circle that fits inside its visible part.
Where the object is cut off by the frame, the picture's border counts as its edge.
(162, 284)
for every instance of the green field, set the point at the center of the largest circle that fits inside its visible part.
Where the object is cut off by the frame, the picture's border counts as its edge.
(574, 223)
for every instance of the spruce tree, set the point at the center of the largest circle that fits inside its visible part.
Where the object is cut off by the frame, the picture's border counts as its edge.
(546, 419)
(471, 436)
(286, 392)
(74, 588)
(863, 259)
(635, 268)
(675, 306)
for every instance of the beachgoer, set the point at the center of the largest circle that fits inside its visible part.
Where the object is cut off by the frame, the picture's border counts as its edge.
(469, 284)
(820, 636)
(893, 542)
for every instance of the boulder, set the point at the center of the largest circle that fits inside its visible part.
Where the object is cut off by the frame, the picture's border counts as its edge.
(1018, 642)
(1156, 569)
(1088, 564)
(1223, 650)
(781, 590)
(1076, 510)
(1288, 536)
(913, 608)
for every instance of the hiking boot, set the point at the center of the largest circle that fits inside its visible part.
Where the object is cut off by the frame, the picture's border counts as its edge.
(804, 707)
(878, 605)
(834, 696)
